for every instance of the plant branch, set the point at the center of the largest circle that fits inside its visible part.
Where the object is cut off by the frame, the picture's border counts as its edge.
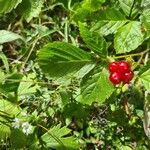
(29, 54)
(29, 81)
(133, 55)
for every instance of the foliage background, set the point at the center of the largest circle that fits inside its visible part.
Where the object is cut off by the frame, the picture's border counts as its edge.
(54, 87)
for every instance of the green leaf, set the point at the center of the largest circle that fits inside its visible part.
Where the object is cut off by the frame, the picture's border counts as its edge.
(43, 30)
(145, 78)
(85, 70)
(27, 86)
(109, 22)
(31, 8)
(18, 139)
(145, 19)
(5, 61)
(92, 4)
(128, 37)
(60, 58)
(146, 118)
(54, 138)
(145, 16)
(8, 36)
(5, 131)
(94, 41)
(67, 4)
(2, 75)
(96, 88)
(7, 110)
(81, 14)
(75, 109)
(127, 6)
(145, 4)
(107, 27)
(125, 148)
(7, 5)
(11, 82)
(144, 75)
(84, 9)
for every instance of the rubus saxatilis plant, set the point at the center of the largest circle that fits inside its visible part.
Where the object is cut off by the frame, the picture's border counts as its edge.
(57, 90)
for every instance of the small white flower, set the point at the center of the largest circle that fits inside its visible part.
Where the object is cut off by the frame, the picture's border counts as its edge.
(26, 128)
(16, 123)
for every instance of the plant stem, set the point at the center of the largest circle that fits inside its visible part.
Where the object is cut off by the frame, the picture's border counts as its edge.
(29, 81)
(29, 54)
(66, 30)
(138, 62)
(132, 55)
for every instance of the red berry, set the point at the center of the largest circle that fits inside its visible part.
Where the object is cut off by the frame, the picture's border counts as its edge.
(123, 67)
(113, 67)
(115, 78)
(127, 77)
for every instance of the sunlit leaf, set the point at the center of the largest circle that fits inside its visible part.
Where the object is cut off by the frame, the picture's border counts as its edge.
(60, 58)
(145, 19)
(8, 36)
(94, 41)
(145, 78)
(31, 8)
(96, 88)
(7, 5)
(146, 119)
(109, 22)
(54, 138)
(129, 8)
(27, 85)
(84, 9)
(7, 110)
(128, 37)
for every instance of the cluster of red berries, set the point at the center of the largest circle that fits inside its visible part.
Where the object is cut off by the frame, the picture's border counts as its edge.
(120, 72)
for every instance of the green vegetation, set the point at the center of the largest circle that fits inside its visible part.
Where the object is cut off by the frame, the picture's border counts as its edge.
(55, 91)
